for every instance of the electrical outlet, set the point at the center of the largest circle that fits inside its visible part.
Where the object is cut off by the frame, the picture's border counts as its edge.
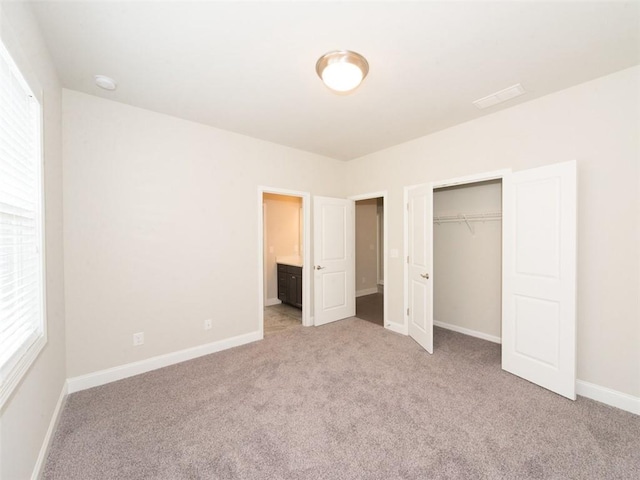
(207, 324)
(138, 339)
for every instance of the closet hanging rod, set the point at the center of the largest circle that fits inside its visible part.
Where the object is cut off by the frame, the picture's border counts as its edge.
(467, 217)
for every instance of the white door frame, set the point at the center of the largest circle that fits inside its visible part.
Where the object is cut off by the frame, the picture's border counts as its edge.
(307, 321)
(385, 283)
(475, 178)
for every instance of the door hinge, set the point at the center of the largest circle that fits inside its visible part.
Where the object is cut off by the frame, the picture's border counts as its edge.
(407, 312)
(407, 207)
(407, 258)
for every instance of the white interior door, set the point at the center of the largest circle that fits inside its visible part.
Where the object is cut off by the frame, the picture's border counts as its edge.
(334, 259)
(539, 276)
(420, 313)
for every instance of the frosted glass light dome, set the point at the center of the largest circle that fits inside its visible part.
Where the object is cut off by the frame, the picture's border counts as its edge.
(342, 70)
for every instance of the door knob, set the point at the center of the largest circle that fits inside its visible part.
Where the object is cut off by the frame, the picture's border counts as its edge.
(426, 275)
(318, 267)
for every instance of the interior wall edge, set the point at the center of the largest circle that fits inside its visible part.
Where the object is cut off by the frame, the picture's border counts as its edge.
(48, 438)
(608, 396)
(467, 331)
(366, 291)
(400, 328)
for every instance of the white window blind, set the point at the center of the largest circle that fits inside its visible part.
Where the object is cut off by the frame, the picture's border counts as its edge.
(22, 325)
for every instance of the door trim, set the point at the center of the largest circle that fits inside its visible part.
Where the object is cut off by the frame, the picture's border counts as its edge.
(474, 178)
(385, 240)
(307, 320)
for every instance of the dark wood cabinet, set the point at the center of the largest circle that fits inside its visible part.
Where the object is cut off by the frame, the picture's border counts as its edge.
(290, 285)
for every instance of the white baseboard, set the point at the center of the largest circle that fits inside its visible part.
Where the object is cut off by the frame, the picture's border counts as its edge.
(46, 442)
(467, 331)
(402, 329)
(366, 291)
(269, 302)
(109, 375)
(606, 395)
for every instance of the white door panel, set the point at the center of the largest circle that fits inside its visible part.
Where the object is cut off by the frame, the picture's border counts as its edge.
(334, 226)
(334, 288)
(539, 276)
(334, 259)
(420, 279)
(418, 305)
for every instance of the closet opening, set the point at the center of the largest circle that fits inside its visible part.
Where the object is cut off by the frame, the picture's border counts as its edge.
(467, 260)
(369, 238)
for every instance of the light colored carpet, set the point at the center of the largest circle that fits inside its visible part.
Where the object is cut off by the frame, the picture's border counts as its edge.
(371, 308)
(347, 400)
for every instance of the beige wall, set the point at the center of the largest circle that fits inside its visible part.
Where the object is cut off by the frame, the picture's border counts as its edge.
(153, 242)
(467, 279)
(283, 236)
(25, 417)
(366, 248)
(596, 123)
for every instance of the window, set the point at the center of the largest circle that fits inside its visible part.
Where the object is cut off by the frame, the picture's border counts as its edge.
(22, 314)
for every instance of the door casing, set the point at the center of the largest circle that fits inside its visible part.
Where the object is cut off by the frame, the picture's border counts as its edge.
(475, 178)
(307, 320)
(385, 242)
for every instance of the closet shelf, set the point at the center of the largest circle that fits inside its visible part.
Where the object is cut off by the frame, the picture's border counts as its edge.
(467, 217)
(472, 217)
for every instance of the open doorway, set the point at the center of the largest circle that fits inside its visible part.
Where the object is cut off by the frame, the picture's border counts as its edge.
(467, 259)
(284, 248)
(282, 262)
(370, 258)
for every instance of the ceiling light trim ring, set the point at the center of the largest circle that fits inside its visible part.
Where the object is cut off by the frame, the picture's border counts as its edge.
(339, 58)
(104, 82)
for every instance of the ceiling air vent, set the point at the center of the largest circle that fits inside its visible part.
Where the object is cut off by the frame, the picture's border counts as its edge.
(499, 97)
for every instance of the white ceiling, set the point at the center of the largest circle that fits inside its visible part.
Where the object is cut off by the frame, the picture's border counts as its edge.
(249, 67)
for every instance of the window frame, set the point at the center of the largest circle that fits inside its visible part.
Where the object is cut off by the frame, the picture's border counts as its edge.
(24, 358)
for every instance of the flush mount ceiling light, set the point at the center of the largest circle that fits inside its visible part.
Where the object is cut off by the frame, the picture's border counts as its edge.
(342, 70)
(105, 82)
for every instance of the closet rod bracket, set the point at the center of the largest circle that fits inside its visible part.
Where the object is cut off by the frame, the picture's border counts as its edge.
(471, 229)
